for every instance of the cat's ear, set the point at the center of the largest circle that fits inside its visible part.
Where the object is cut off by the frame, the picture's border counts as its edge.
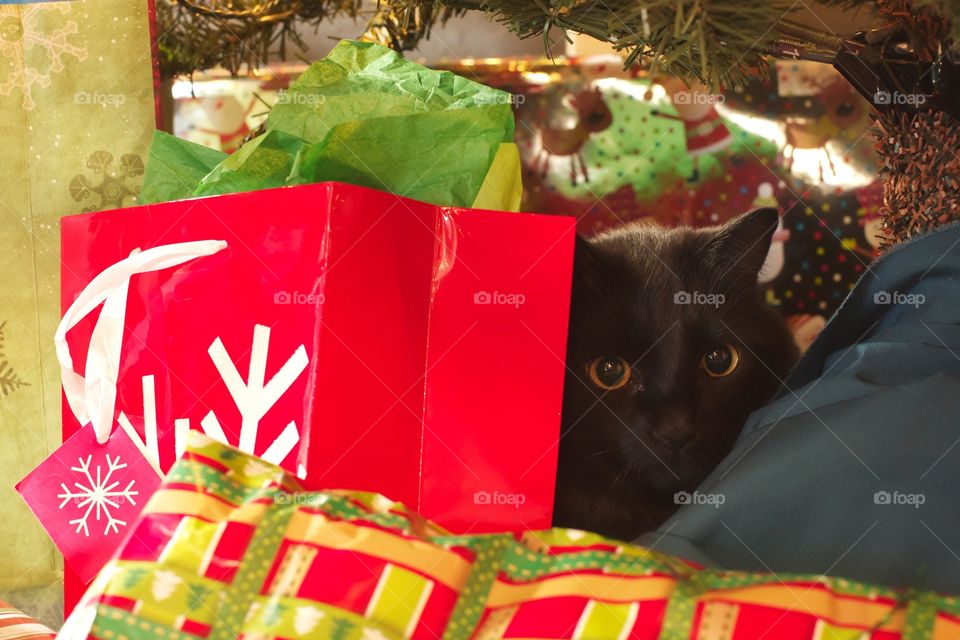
(586, 262)
(740, 247)
(583, 250)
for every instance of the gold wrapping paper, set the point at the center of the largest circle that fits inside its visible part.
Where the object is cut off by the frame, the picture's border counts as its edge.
(76, 93)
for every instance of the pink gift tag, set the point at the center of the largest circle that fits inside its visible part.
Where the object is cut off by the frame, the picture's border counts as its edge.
(87, 496)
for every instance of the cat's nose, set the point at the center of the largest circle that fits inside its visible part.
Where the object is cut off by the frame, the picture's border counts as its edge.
(673, 435)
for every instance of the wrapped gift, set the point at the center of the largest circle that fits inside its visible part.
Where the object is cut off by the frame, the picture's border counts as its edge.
(231, 547)
(77, 97)
(16, 625)
(293, 324)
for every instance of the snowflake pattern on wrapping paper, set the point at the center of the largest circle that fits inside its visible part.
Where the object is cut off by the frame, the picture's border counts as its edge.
(30, 53)
(108, 187)
(10, 380)
(98, 496)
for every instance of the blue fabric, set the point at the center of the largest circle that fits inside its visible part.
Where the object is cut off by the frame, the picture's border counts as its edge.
(853, 470)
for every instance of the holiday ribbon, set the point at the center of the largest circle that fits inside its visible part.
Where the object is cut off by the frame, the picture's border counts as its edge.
(92, 395)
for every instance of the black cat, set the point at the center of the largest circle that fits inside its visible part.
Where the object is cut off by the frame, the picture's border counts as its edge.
(671, 348)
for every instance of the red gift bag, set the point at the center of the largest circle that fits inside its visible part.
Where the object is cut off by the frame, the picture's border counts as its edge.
(359, 339)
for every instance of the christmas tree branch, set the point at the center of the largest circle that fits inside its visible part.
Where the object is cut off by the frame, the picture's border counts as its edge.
(201, 34)
(717, 42)
(802, 33)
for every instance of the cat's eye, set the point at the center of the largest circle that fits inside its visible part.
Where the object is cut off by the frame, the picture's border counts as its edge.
(609, 372)
(720, 361)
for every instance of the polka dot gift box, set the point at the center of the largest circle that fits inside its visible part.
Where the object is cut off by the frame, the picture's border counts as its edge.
(230, 547)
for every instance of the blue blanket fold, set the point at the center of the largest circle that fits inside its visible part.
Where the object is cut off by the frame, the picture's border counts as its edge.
(854, 469)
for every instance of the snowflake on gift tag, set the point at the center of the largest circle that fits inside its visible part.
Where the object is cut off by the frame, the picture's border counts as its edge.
(253, 398)
(25, 33)
(98, 496)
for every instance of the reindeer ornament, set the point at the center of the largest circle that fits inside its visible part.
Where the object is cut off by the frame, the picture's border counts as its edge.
(593, 116)
(843, 110)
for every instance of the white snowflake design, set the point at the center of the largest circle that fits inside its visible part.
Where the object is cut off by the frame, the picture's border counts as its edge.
(31, 50)
(98, 496)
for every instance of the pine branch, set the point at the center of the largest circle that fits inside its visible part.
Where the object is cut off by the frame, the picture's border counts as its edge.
(717, 42)
(404, 30)
(200, 34)
(926, 20)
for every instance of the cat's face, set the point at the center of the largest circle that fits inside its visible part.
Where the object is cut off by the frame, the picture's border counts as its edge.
(671, 348)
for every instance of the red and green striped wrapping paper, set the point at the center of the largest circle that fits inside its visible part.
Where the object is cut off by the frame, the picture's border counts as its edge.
(229, 547)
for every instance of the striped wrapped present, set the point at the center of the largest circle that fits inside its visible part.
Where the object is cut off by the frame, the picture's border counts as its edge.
(230, 547)
(16, 625)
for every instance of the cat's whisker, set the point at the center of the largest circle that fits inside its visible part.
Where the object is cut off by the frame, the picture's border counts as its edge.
(597, 454)
(739, 298)
(623, 475)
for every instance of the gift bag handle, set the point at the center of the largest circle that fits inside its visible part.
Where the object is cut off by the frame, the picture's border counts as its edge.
(92, 396)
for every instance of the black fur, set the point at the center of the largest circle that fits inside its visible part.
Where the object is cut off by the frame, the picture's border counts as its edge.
(624, 453)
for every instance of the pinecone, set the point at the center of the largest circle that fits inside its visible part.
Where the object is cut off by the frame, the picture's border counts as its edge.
(920, 156)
